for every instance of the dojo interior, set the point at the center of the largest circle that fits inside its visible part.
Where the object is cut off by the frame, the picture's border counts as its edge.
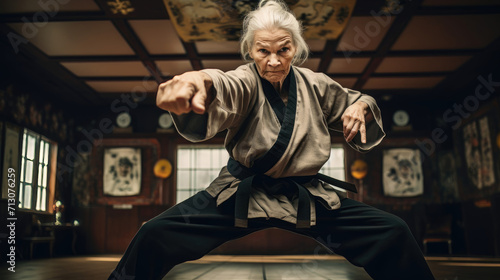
(78, 87)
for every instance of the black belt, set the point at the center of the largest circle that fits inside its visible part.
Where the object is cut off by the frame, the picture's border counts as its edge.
(284, 185)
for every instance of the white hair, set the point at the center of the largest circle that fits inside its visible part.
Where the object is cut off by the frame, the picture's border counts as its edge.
(272, 14)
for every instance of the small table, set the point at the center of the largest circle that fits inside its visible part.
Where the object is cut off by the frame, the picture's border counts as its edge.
(57, 231)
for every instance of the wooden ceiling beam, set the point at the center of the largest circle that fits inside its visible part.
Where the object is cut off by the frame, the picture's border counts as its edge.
(397, 27)
(192, 55)
(135, 43)
(128, 33)
(328, 54)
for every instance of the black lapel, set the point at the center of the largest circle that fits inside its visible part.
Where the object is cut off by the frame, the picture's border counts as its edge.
(271, 157)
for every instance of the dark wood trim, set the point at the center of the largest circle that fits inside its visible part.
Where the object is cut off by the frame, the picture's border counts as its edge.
(328, 54)
(135, 43)
(192, 55)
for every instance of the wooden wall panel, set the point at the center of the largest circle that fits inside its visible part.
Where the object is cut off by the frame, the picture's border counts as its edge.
(121, 226)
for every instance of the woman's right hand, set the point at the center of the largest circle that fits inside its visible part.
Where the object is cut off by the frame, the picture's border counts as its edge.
(185, 93)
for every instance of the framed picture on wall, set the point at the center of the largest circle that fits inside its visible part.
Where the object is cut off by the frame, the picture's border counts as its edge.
(122, 171)
(402, 172)
(478, 151)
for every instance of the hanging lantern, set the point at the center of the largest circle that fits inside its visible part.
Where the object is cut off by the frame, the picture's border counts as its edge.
(359, 169)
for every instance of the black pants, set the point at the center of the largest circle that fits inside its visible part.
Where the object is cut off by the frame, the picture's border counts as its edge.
(379, 242)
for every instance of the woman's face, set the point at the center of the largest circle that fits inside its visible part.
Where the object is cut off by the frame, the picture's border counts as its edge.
(273, 51)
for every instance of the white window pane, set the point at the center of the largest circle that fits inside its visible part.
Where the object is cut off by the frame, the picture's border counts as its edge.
(183, 158)
(21, 191)
(46, 155)
(23, 163)
(27, 196)
(183, 181)
(38, 199)
(203, 179)
(24, 144)
(214, 174)
(338, 174)
(29, 171)
(203, 158)
(215, 157)
(40, 153)
(45, 171)
(31, 147)
(44, 199)
(40, 172)
(224, 156)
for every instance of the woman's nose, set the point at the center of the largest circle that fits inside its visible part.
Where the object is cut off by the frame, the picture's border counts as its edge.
(273, 61)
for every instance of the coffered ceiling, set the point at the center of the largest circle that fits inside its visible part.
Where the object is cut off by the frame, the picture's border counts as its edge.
(86, 54)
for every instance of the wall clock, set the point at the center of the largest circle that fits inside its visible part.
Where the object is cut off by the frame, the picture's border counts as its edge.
(165, 120)
(123, 120)
(401, 118)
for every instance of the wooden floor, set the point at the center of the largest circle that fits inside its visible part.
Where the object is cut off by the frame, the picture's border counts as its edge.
(246, 267)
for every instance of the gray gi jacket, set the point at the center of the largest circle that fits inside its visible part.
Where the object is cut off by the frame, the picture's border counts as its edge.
(240, 104)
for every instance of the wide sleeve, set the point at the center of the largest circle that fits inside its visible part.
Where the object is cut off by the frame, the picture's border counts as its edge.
(233, 95)
(336, 99)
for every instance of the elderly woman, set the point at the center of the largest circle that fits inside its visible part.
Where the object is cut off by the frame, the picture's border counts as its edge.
(278, 117)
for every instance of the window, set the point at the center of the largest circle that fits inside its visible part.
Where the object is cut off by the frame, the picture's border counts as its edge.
(35, 171)
(197, 167)
(334, 167)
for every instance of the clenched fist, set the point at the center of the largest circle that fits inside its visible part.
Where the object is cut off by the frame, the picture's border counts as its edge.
(188, 92)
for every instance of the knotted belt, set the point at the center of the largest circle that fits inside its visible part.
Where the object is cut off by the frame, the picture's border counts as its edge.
(287, 186)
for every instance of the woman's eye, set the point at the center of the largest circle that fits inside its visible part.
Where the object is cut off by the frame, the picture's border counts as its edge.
(284, 49)
(263, 51)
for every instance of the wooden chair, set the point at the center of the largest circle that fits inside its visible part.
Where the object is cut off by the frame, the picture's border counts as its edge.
(438, 227)
(39, 236)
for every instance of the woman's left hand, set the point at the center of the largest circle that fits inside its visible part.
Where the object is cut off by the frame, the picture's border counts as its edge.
(354, 120)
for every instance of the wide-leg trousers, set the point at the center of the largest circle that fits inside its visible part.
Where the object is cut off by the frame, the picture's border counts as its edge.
(379, 242)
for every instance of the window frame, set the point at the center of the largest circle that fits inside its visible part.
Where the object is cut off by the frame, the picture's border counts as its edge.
(36, 185)
(212, 168)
